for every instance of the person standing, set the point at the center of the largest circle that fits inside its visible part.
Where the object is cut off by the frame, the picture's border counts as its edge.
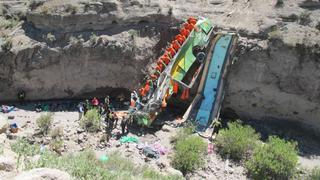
(124, 124)
(95, 102)
(81, 110)
(107, 100)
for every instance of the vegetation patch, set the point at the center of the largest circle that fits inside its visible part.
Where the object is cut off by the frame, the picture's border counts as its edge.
(189, 154)
(237, 141)
(59, 6)
(6, 43)
(277, 159)
(24, 149)
(84, 165)
(91, 121)
(44, 122)
(315, 173)
(8, 23)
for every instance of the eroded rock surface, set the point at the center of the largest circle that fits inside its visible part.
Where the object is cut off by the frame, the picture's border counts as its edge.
(69, 49)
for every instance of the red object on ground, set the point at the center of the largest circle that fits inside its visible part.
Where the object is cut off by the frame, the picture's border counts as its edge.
(95, 101)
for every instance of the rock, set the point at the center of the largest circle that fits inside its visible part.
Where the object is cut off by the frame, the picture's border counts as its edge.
(174, 172)
(80, 130)
(43, 174)
(12, 136)
(4, 125)
(3, 138)
(166, 128)
(7, 163)
(161, 165)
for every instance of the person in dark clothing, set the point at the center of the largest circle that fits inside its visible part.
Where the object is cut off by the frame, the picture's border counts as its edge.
(115, 119)
(124, 124)
(38, 107)
(21, 96)
(109, 120)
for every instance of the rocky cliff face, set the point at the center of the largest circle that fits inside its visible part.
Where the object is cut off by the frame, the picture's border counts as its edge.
(71, 48)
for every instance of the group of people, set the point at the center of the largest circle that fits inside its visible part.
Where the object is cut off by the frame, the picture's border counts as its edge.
(106, 111)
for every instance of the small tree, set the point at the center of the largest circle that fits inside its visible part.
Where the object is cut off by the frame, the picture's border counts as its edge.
(91, 121)
(44, 122)
(277, 159)
(237, 141)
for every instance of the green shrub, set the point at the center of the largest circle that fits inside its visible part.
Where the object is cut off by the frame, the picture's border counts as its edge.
(7, 44)
(8, 23)
(314, 174)
(56, 145)
(44, 122)
(91, 121)
(23, 148)
(189, 153)
(237, 141)
(277, 159)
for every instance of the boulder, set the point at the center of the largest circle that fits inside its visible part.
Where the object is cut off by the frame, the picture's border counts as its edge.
(43, 174)
(4, 125)
(174, 172)
(7, 163)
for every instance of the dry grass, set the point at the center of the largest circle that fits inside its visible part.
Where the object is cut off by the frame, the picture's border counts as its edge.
(59, 6)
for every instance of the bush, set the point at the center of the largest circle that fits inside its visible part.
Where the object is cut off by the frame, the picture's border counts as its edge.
(44, 122)
(56, 145)
(189, 153)
(8, 23)
(277, 159)
(7, 44)
(23, 148)
(91, 121)
(56, 133)
(314, 174)
(237, 141)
